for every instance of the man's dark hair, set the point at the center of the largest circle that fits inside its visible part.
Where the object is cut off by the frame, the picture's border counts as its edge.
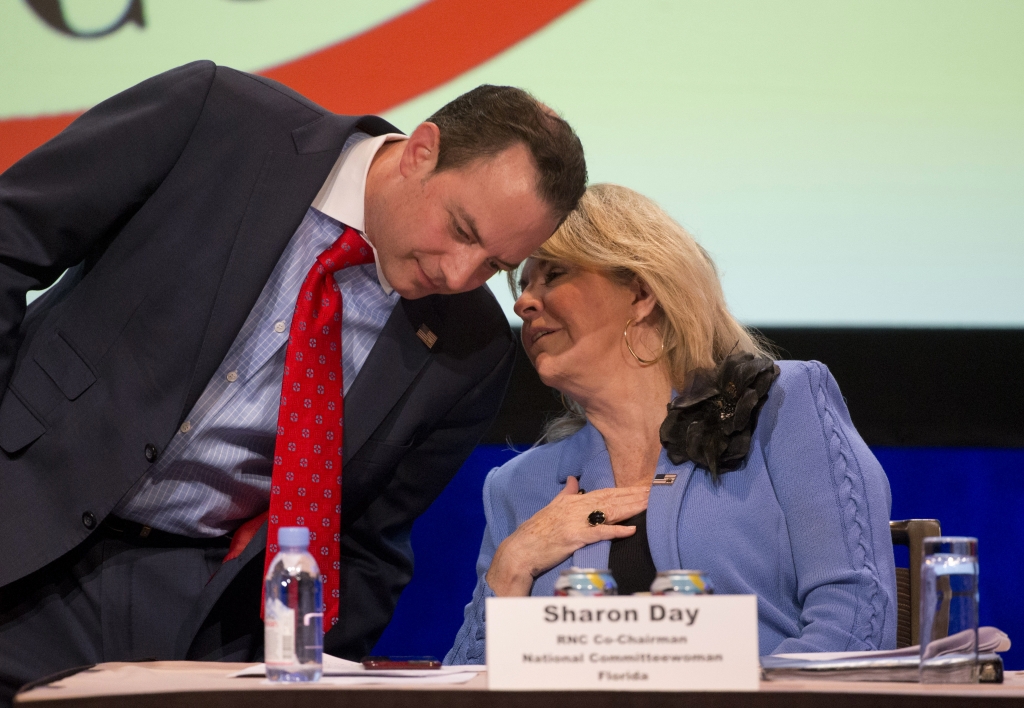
(491, 119)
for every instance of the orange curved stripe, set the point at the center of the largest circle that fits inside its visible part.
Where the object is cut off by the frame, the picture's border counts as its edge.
(381, 68)
(414, 52)
(20, 136)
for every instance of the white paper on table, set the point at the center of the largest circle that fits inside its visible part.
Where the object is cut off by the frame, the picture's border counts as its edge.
(343, 668)
(990, 640)
(372, 678)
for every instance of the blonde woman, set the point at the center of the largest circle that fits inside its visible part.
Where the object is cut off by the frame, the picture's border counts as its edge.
(762, 481)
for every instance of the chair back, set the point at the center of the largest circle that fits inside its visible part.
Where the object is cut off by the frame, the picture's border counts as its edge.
(911, 533)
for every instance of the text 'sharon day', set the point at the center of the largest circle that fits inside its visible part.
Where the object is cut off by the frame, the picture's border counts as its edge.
(658, 613)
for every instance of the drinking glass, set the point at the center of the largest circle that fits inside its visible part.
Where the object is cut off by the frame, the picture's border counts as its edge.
(949, 610)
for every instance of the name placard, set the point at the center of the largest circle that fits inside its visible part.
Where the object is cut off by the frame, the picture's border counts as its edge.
(627, 643)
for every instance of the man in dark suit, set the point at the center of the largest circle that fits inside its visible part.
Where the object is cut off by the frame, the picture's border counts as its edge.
(140, 394)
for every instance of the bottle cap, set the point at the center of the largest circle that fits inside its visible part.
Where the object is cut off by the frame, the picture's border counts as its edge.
(293, 537)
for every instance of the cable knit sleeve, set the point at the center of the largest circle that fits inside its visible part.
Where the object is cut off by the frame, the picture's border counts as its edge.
(836, 502)
(470, 645)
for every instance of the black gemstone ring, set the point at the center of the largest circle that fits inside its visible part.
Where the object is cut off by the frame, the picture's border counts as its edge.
(596, 518)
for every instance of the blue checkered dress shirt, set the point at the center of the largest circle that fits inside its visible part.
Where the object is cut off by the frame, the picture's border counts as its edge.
(215, 473)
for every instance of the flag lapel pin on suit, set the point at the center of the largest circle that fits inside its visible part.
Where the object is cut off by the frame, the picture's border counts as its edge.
(426, 336)
(664, 478)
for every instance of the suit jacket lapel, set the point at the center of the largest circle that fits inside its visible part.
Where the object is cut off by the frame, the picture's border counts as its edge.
(286, 186)
(663, 514)
(392, 365)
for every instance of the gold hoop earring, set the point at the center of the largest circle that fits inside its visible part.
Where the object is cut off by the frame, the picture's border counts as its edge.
(643, 362)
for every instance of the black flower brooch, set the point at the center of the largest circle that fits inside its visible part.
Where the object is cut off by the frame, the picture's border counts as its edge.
(712, 420)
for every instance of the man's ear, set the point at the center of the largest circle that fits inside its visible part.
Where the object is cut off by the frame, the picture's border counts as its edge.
(644, 302)
(420, 154)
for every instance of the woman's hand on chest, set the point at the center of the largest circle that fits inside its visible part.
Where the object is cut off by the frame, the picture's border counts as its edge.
(558, 530)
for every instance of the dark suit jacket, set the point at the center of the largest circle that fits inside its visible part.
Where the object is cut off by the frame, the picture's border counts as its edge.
(171, 203)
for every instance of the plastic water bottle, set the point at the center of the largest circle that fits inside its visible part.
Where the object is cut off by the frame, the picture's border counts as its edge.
(293, 610)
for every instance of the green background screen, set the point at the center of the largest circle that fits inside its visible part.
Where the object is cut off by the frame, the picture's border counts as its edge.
(845, 163)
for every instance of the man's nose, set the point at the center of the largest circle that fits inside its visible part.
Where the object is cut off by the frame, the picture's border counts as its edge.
(466, 273)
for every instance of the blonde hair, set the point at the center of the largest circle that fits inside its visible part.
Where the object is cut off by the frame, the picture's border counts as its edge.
(625, 235)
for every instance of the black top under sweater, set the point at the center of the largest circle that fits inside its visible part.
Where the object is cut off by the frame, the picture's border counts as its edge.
(630, 558)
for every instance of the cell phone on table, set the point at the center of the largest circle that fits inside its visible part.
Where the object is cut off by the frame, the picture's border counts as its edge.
(401, 662)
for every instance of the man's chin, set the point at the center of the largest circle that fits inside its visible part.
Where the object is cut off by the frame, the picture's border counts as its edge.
(413, 291)
(415, 288)
(411, 282)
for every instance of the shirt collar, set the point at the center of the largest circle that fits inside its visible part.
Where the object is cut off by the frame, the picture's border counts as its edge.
(343, 195)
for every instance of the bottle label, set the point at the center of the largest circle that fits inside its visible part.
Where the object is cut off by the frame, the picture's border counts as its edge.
(279, 633)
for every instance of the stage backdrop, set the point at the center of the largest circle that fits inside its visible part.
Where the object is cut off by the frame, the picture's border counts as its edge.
(847, 164)
(844, 162)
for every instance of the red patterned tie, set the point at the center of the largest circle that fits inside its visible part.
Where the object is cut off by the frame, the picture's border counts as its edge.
(306, 482)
